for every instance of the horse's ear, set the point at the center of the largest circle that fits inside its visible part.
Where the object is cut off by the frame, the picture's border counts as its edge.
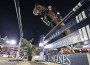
(37, 4)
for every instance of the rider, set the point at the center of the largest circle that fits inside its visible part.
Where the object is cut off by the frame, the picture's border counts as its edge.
(54, 10)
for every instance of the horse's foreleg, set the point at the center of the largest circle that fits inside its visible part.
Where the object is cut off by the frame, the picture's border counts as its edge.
(46, 21)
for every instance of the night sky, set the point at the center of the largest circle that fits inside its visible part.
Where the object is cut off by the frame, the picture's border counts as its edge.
(33, 27)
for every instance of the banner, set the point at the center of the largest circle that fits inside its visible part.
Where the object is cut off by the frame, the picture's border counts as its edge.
(69, 59)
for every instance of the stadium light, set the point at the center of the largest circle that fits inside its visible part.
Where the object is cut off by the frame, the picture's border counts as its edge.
(12, 42)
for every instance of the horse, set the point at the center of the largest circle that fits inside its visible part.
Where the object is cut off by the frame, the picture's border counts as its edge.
(49, 17)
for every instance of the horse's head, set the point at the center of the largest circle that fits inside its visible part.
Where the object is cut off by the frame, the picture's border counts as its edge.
(39, 9)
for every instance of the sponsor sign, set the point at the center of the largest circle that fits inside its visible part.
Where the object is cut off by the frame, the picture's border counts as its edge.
(69, 59)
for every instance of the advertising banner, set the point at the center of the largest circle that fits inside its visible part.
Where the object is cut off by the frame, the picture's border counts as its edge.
(69, 59)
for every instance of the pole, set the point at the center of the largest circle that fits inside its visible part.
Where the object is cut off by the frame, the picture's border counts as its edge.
(20, 25)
